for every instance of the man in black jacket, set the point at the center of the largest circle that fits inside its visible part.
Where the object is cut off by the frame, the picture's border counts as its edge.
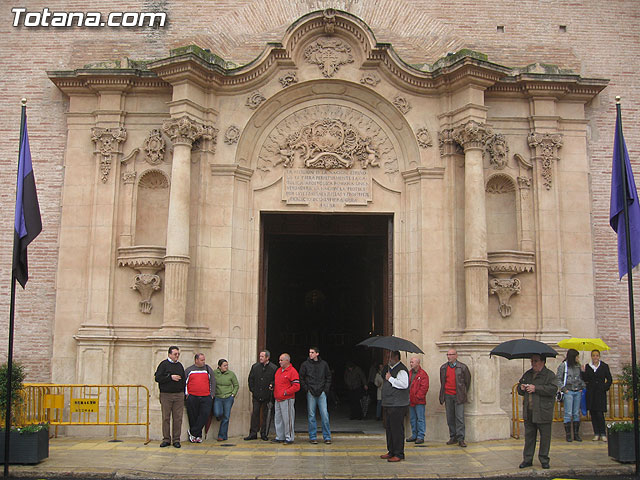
(170, 378)
(261, 378)
(315, 379)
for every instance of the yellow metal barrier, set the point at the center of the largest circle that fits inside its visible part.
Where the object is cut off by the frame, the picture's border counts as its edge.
(618, 408)
(73, 404)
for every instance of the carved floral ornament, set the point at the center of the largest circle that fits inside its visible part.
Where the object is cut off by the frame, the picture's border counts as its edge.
(288, 78)
(402, 104)
(424, 138)
(183, 130)
(232, 135)
(329, 53)
(370, 79)
(154, 146)
(546, 147)
(254, 100)
(107, 142)
(327, 137)
(497, 149)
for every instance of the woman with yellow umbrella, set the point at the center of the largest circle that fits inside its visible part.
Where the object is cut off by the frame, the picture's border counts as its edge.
(597, 377)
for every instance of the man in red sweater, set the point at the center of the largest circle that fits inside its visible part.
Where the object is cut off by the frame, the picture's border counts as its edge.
(418, 388)
(455, 380)
(286, 384)
(200, 390)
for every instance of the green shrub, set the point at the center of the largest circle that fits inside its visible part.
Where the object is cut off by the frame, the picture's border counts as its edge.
(17, 379)
(626, 379)
(620, 427)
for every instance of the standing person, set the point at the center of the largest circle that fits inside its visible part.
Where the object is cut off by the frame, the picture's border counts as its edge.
(315, 379)
(538, 387)
(378, 382)
(597, 377)
(170, 378)
(395, 400)
(455, 380)
(569, 380)
(226, 390)
(261, 378)
(200, 390)
(418, 388)
(355, 381)
(286, 384)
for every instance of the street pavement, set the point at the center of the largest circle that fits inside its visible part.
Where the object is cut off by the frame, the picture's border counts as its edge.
(348, 457)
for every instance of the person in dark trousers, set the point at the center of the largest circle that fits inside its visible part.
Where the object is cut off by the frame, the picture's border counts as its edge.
(569, 381)
(356, 384)
(538, 387)
(418, 388)
(597, 376)
(170, 378)
(200, 390)
(261, 378)
(395, 401)
(455, 380)
(315, 380)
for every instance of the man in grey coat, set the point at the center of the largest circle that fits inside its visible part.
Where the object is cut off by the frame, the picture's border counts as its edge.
(538, 387)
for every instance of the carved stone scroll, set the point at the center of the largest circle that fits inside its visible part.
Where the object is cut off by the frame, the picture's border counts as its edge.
(288, 78)
(107, 142)
(154, 146)
(546, 147)
(254, 100)
(402, 104)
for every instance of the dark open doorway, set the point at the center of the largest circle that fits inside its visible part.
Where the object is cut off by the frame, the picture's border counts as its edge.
(326, 282)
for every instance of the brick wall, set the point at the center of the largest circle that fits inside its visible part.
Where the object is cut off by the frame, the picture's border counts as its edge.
(601, 39)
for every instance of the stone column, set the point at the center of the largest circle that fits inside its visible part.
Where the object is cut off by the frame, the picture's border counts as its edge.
(471, 137)
(183, 132)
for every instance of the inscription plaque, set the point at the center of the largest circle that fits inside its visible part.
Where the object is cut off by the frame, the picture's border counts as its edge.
(326, 188)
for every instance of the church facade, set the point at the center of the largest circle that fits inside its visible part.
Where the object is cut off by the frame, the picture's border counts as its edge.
(461, 187)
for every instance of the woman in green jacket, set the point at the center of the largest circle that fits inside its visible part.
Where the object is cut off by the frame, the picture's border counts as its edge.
(226, 390)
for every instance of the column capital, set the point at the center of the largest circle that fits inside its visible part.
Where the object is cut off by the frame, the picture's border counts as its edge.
(472, 135)
(185, 131)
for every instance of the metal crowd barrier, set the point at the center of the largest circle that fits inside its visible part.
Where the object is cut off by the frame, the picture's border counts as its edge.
(94, 405)
(618, 408)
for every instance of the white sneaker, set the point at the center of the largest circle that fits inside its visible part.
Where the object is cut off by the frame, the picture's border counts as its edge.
(198, 439)
(603, 438)
(595, 438)
(192, 439)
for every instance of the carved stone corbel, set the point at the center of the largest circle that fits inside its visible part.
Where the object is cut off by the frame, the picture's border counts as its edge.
(148, 261)
(504, 265)
(546, 147)
(107, 142)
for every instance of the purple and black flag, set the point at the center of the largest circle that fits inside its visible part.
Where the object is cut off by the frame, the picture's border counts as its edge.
(28, 223)
(616, 210)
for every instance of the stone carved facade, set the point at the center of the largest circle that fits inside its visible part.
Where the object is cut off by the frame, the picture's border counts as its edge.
(288, 78)
(546, 147)
(183, 130)
(504, 266)
(254, 100)
(329, 53)
(370, 79)
(424, 138)
(107, 141)
(232, 135)
(497, 150)
(504, 288)
(402, 104)
(154, 146)
(148, 261)
(472, 135)
(327, 137)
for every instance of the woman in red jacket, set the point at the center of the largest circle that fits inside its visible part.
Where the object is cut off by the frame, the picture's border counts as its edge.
(418, 388)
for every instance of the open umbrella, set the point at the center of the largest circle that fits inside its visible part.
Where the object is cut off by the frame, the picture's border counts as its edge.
(583, 344)
(523, 348)
(391, 343)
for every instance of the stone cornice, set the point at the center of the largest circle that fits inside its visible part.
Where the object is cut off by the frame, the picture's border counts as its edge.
(560, 86)
(86, 81)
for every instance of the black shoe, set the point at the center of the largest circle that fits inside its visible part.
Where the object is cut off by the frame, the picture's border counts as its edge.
(462, 444)
(275, 440)
(177, 444)
(313, 441)
(264, 438)
(165, 444)
(452, 441)
(545, 466)
(288, 442)
(251, 437)
(526, 464)
(411, 439)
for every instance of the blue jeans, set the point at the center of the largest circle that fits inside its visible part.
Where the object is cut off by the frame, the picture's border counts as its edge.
(416, 414)
(222, 408)
(321, 403)
(572, 406)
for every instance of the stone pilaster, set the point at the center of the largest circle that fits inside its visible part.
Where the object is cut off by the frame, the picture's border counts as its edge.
(472, 136)
(183, 132)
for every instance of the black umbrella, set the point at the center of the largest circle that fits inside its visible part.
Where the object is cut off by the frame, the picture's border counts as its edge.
(391, 343)
(523, 348)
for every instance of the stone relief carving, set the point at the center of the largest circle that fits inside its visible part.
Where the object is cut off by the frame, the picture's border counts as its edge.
(402, 104)
(424, 138)
(447, 144)
(329, 54)
(154, 146)
(254, 100)
(107, 142)
(232, 135)
(500, 184)
(497, 150)
(148, 261)
(183, 130)
(370, 79)
(288, 78)
(524, 182)
(153, 179)
(128, 177)
(327, 136)
(329, 18)
(504, 288)
(472, 134)
(546, 147)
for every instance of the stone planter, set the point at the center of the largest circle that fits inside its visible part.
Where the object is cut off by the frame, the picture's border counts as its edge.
(621, 446)
(32, 447)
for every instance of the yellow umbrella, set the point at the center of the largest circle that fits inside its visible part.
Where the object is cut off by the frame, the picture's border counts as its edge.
(583, 344)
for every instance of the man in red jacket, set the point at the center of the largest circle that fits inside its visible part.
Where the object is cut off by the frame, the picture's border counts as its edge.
(285, 386)
(418, 388)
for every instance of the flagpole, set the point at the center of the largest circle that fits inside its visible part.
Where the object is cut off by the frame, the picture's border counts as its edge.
(632, 326)
(7, 418)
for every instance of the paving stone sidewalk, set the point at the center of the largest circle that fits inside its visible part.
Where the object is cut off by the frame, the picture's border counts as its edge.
(349, 457)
